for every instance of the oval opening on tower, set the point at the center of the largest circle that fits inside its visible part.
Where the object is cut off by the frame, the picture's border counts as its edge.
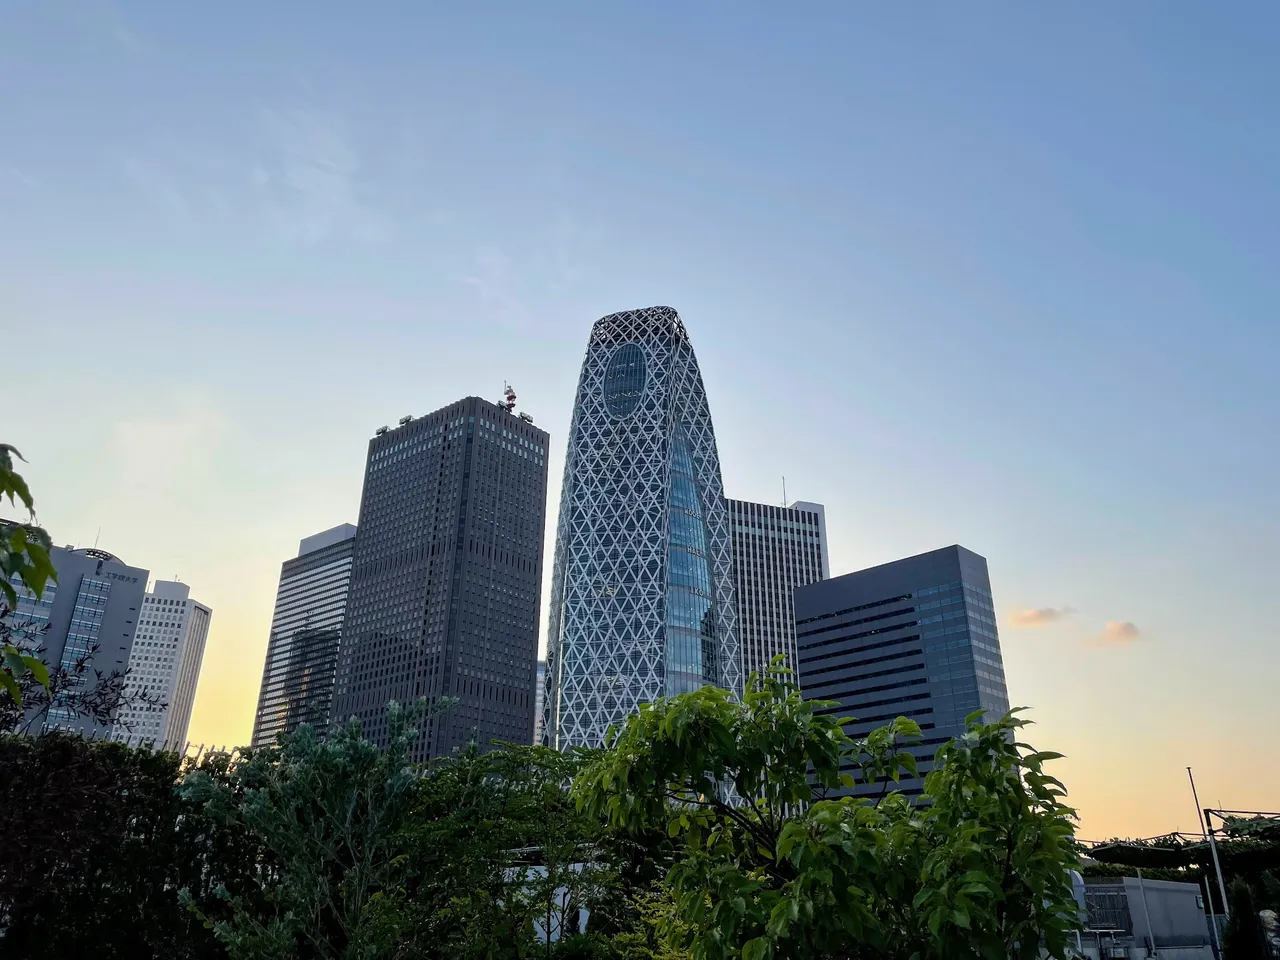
(624, 379)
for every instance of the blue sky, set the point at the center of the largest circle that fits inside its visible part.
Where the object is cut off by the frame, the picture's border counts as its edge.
(994, 274)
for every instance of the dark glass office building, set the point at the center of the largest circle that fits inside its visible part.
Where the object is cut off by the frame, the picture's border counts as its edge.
(302, 651)
(913, 638)
(446, 579)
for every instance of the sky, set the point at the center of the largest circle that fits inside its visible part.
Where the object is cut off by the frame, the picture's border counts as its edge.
(995, 274)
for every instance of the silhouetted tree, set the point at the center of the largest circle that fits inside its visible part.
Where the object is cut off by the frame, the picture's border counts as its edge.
(1243, 939)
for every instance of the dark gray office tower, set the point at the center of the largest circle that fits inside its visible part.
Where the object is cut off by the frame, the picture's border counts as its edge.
(95, 602)
(302, 651)
(446, 582)
(913, 638)
(775, 550)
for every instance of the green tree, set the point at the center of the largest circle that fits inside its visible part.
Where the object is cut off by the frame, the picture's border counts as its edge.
(24, 556)
(1243, 938)
(770, 867)
(498, 846)
(655, 930)
(100, 843)
(330, 813)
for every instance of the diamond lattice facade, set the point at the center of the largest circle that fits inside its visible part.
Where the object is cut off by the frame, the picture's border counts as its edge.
(642, 599)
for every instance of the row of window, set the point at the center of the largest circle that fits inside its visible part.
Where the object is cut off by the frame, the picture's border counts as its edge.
(853, 623)
(862, 648)
(861, 606)
(855, 664)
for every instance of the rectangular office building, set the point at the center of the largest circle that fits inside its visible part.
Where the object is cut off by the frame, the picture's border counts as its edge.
(88, 617)
(775, 550)
(164, 664)
(302, 650)
(914, 638)
(446, 581)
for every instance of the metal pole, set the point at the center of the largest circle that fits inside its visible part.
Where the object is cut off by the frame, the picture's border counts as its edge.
(1217, 865)
(1213, 924)
(1146, 915)
(1199, 812)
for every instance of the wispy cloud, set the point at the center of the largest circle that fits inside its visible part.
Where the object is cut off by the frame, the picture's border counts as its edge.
(551, 265)
(308, 176)
(492, 277)
(101, 20)
(155, 181)
(10, 175)
(1118, 633)
(294, 174)
(125, 37)
(1021, 619)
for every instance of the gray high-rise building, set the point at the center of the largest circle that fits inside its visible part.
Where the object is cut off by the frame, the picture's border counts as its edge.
(95, 603)
(302, 650)
(775, 550)
(913, 638)
(446, 581)
(642, 591)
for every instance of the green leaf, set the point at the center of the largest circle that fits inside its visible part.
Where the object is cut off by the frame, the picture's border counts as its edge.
(11, 685)
(38, 670)
(13, 661)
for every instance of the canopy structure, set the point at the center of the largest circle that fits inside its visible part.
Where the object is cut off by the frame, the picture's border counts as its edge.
(1248, 841)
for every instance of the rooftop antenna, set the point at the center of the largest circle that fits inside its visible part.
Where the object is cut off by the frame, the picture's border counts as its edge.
(95, 539)
(784, 491)
(508, 401)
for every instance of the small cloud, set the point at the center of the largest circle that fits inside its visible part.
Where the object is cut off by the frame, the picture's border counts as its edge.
(14, 175)
(126, 37)
(310, 176)
(1118, 633)
(155, 181)
(1021, 619)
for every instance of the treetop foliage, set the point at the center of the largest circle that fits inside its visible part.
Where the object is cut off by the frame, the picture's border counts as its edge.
(707, 828)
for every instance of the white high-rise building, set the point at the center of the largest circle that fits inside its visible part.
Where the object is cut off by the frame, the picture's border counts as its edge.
(168, 649)
(775, 550)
